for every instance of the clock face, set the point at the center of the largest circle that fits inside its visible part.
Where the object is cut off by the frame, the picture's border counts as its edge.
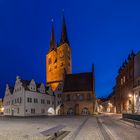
(49, 61)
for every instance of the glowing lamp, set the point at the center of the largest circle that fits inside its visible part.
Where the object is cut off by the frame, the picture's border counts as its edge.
(130, 95)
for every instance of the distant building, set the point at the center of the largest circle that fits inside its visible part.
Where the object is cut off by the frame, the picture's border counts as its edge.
(107, 104)
(78, 96)
(28, 98)
(125, 81)
(1, 106)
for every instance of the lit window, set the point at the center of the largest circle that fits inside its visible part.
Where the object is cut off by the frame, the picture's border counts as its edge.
(124, 79)
(121, 81)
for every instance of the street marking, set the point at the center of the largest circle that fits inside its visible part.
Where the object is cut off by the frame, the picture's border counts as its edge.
(104, 130)
(75, 134)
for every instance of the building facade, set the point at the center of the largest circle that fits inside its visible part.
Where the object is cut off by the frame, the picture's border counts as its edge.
(78, 96)
(136, 96)
(125, 83)
(64, 94)
(1, 106)
(28, 98)
(58, 59)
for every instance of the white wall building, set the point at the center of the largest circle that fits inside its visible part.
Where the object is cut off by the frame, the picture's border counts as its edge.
(28, 98)
(136, 96)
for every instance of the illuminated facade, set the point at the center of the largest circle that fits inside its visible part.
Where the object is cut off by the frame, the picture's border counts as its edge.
(125, 82)
(58, 59)
(1, 106)
(78, 96)
(28, 98)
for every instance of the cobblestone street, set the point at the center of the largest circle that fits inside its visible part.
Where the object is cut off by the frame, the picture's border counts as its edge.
(103, 127)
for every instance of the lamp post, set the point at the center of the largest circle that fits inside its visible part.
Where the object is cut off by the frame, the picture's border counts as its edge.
(131, 98)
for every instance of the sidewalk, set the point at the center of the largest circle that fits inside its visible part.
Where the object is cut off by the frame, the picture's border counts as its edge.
(131, 122)
(90, 131)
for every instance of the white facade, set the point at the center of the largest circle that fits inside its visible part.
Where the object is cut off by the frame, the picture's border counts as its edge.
(30, 99)
(136, 97)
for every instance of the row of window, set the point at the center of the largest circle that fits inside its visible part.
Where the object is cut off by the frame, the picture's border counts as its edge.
(123, 80)
(9, 111)
(32, 88)
(126, 77)
(33, 111)
(14, 101)
(29, 100)
(77, 97)
(35, 100)
(18, 89)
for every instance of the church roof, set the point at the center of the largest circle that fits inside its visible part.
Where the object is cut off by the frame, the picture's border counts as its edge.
(11, 89)
(78, 82)
(25, 83)
(52, 41)
(64, 36)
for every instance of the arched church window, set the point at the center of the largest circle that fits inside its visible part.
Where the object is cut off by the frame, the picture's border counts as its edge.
(49, 61)
(55, 61)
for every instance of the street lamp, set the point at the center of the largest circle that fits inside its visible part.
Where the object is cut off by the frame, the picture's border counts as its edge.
(130, 95)
(2, 109)
(131, 102)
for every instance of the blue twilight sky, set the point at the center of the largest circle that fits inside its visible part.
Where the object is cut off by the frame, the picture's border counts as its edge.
(102, 32)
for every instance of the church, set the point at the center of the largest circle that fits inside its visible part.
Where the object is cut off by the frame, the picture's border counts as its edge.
(64, 93)
(77, 90)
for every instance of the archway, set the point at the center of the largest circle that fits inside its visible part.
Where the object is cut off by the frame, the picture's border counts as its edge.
(51, 111)
(70, 111)
(58, 110)
(85, 111)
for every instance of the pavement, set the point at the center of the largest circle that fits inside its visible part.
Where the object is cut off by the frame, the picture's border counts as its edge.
(101, 127)
(119, 129)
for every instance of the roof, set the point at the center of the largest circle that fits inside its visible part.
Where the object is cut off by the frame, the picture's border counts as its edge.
(25, 83)
(78, 82)
(11, 89)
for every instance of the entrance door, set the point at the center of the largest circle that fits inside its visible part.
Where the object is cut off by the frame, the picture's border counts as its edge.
(12, 112)
(77, 109)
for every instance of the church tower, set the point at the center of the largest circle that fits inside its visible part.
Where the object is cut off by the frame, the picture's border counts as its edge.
(58, 58)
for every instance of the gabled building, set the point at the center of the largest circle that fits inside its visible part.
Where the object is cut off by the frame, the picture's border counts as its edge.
(125, 80)
(28, 98)
(78, 96)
